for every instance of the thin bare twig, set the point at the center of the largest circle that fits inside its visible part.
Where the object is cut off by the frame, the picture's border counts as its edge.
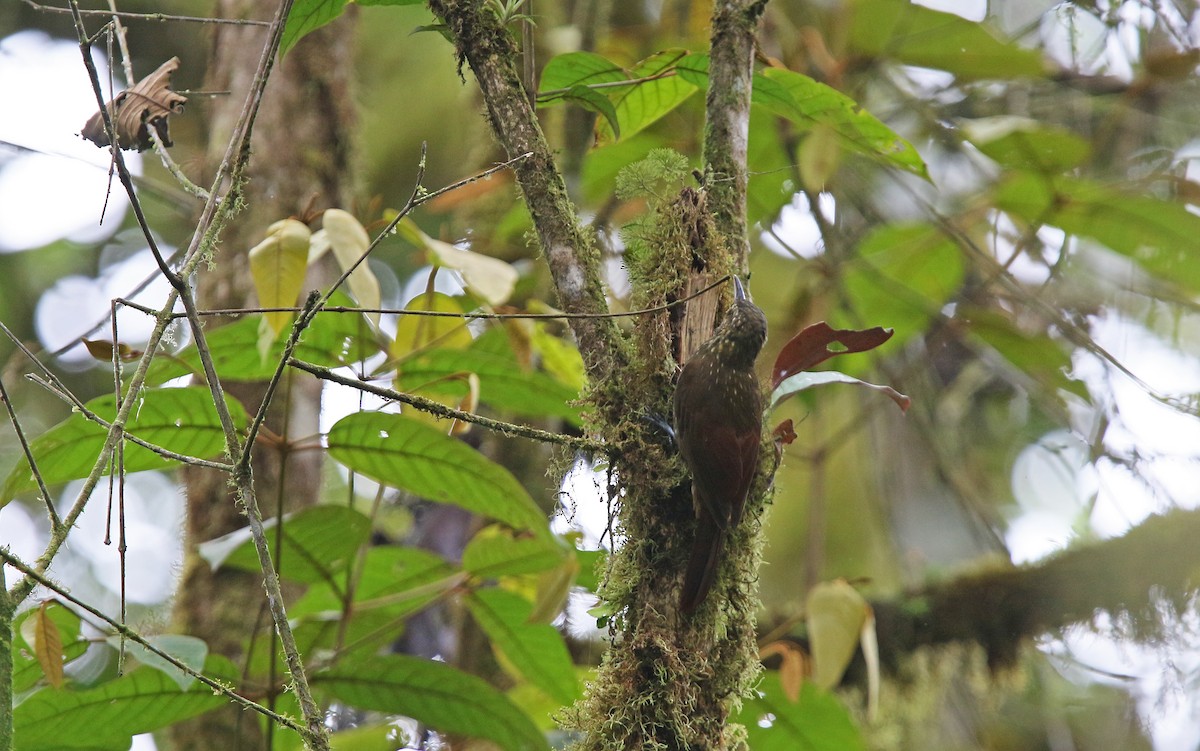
(160, 17)
(470, 316)
(441, 410)
(125, 434)
(55, 522)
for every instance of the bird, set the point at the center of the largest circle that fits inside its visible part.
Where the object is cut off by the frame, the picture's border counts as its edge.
(717, 412)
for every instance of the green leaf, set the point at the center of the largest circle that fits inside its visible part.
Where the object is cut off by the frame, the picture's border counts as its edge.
(591, 568)
(560, 357)
(903, 276)
(189, 650)
(564, 72)
(433, 693)
(770, 186)
(806, 102)
(536, 650)
(1159, 235)
(1026, 144)
(394, 583)
(593, 100)
(331, 340)
(308, 15)
(914, 35)
(415, 333)
(647, 101)
(1037, 355)
(310, 553)
(495, 551)
(406, 454)
(570, 77)
(503, 383)
(604, 163)
(387, 573)
(141, 701)
(817, 722)
(182, 420)
(378, 737)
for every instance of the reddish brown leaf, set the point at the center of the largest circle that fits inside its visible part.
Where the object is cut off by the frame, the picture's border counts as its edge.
(785, 433)
(146, 104)
(810, 347)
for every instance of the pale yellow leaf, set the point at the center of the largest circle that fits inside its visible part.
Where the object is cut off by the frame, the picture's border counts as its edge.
(277, 266)
(349, 241)
(417, 332)
(836, 613)
(489, 279)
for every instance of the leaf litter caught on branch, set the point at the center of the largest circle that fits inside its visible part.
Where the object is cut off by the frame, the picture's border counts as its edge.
(149, 102)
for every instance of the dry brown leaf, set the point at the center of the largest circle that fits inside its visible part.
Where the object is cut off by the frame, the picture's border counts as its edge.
(47, 645)
(147, 103)
(794, 668)
(102, 350)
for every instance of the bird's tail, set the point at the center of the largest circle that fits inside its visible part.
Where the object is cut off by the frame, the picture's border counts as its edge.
(702, 565)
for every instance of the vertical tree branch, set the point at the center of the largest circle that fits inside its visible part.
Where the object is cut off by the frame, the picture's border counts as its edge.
(727, 129)
(574, 262)
(8, 608)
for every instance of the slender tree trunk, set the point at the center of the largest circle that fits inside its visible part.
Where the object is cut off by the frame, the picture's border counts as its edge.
(301, 159)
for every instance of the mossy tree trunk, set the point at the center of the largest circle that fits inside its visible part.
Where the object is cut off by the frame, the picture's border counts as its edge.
(669, 680)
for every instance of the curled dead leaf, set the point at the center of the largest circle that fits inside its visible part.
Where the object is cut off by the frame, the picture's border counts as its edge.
(102, 350)
(148, 103)
(793, 669)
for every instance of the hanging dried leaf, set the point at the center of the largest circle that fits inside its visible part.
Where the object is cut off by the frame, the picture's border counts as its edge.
(47, 645)
(146, 104)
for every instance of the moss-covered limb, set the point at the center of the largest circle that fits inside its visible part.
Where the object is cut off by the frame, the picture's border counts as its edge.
(8, 609)
(573, 259)
(1154, 566)
(672, 680)
(727, 125)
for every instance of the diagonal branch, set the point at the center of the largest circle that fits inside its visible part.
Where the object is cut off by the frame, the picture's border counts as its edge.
(125, 631)
(441, 410)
